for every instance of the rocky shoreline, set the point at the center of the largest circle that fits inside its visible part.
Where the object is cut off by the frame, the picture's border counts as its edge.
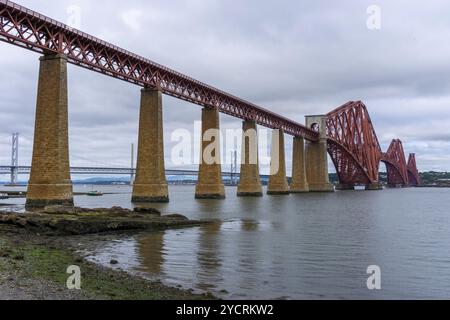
(56, 220)
(37, 247)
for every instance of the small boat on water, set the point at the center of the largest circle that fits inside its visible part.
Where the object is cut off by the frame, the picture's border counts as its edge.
(95, 193)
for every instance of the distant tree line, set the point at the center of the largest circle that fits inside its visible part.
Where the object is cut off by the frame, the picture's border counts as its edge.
(435, 178)
(430, 178)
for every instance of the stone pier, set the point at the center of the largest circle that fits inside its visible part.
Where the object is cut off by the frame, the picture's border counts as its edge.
(345, 187)
(250, 182)
(50, 182)
(150, 184)
(371, 186)
(317, 157)
(210, 185)
(278, 184)
(299, 183)
(374, 186)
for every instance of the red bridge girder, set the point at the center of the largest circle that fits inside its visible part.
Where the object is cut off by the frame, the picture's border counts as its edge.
(353, 144)
(413, 172)
(31, 30)
(396, 166)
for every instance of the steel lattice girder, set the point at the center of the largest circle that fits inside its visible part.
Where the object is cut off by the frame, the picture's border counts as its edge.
(413, 172)
(353, 144)
(396, 166)
(31, 30)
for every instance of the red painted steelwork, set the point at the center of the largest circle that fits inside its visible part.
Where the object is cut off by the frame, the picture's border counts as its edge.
(413, 173)
(353, 144)
(31, 30)
(396, 166)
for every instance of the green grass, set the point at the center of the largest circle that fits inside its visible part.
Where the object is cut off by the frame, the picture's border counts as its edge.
(50, 264)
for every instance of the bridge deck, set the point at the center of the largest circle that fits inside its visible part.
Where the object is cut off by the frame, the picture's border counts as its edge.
(33, 31)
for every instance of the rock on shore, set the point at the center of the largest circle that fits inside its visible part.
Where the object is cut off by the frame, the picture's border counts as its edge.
(77, 221)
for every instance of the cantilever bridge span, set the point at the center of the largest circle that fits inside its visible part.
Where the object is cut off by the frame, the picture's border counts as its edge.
(347, 134)
(356, 152)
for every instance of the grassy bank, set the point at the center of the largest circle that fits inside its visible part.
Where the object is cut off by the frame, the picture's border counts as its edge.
(27, 261)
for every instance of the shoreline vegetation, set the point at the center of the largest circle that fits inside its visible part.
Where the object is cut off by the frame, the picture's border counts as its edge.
(37, 248)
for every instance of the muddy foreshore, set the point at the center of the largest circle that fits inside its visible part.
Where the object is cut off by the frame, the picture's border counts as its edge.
(36, 249)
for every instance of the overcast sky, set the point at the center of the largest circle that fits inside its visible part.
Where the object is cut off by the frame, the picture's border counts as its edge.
(293, 57)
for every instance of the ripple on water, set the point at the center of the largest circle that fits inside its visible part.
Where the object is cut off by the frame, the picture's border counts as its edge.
(300, 246)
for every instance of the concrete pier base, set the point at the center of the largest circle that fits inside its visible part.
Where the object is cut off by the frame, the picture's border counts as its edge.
(397, 186)
(210, 184)
(250, 181)
(317, 157)
(299, 183)
(50, 182)
(374, 186)
(150, 184)
(344, 187)
(278, 184)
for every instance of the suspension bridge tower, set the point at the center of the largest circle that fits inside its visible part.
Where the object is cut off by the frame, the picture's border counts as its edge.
(14, 158)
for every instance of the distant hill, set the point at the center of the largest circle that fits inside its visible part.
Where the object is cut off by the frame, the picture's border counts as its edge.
(430, 178)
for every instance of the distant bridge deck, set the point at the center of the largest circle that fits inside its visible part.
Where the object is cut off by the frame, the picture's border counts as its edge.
(24, 170)
(98, 171)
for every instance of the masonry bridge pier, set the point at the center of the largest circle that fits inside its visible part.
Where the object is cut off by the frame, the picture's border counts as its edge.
(346, 133)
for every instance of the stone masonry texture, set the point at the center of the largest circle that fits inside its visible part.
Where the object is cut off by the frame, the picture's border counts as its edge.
(150, 184)
(50, 182)
(317, 158)
(250, 181)
(299, 183)
(278, 183)
(210, 185)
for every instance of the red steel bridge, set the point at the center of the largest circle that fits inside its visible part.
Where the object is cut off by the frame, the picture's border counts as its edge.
(356, 152)
(352, 141)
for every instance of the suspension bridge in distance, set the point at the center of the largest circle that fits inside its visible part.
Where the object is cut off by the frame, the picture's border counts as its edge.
(14, 170)
(25, 170)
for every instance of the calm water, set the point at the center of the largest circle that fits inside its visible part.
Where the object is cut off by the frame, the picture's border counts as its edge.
(313, 246)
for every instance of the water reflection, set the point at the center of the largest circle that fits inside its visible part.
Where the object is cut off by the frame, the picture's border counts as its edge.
(151, 253)
(300, 246)
(249, 254)
(208, 257)
(216, 257)
(183, 256)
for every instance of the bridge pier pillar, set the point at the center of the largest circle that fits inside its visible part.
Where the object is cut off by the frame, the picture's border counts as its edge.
(317, 157)
(250, 182)
(50, 182)
(299, 183)
(210, 184)
(345, 186)
(150, 184)
(374, 186)
(278, 184)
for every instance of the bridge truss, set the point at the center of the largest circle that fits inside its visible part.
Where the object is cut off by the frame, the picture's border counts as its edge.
(31, 30)
(413, 174)
(356, 153)
(396, 165)
(353, 144)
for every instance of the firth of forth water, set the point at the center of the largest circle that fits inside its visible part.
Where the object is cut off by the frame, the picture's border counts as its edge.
(306, 246)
